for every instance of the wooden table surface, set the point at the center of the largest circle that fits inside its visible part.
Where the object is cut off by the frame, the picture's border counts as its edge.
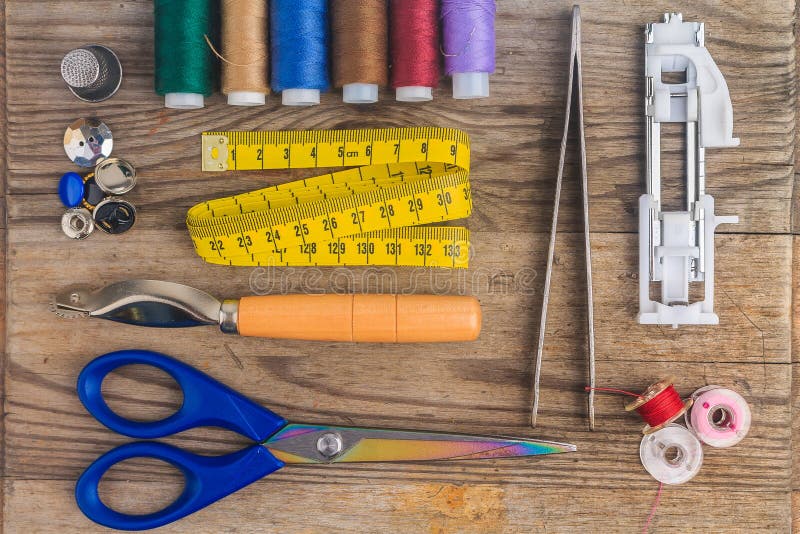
(481, 387)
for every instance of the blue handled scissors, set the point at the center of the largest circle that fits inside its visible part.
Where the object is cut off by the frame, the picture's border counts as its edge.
(207, 402)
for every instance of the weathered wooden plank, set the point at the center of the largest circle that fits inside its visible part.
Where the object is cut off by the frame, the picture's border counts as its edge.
(796, 383)
(429, 507)
(3, 307)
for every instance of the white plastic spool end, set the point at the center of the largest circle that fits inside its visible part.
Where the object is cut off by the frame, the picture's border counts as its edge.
(360, 93)
(184, 100)
(246, 98)
(414, 93)
(300, 97)
(672, 455)
(469, 85)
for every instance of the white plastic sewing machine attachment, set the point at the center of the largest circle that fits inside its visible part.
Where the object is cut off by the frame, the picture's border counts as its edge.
(677, 247)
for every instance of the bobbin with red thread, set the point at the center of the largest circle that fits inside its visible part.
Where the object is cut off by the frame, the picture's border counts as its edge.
(659, 405)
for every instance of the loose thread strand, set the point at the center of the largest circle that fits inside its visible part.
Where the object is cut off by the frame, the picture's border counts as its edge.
(652, 515)
(612, 390)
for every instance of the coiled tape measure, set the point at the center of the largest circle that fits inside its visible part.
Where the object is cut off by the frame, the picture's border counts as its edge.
(369, 214)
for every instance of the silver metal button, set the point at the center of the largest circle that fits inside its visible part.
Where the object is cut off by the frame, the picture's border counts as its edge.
(88, 141)
(115, 176)
(77, 223)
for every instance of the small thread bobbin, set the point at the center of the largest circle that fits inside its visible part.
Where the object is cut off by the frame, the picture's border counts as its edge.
(672, 455)
(720, 417)
(662, 418)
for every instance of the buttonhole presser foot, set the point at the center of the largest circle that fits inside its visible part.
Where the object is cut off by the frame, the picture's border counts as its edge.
(683, 86)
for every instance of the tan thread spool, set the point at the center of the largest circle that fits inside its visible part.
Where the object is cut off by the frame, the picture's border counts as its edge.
(360, 43)
(244, 52)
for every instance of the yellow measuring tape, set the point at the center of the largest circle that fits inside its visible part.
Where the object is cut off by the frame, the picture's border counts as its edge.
(368, 214)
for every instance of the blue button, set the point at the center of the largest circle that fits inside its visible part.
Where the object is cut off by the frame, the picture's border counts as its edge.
(70, 189)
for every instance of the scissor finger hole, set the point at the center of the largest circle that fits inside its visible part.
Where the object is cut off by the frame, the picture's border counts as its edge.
(141, 486)
(142, 393)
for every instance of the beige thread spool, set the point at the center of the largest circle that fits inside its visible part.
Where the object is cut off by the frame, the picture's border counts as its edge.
(245, 59)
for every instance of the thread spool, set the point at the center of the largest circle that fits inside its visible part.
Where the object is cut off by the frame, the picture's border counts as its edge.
(659, 405)
(469, 45)
(672, 454)
(244, 52)
(360, 37)
(184, 63)
(300, 52)
(415, 49)
(719, 417)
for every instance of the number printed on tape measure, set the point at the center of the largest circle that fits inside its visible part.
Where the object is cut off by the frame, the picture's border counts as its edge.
(370, 214)
(248, 151)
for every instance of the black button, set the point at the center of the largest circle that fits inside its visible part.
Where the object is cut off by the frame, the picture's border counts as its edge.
(92, 194)
(115, 216)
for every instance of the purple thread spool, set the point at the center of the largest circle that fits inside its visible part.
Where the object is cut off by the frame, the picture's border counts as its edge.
(469, 45)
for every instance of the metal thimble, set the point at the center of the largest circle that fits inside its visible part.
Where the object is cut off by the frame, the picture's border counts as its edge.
(92, 72)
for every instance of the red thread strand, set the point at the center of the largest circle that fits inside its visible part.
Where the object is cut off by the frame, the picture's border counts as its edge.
(662, 407)
(612, 390)
(653, 509)
(415, 43)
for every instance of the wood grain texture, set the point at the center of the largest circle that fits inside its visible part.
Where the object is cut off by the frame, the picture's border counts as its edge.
(3, 265)
(482, 387)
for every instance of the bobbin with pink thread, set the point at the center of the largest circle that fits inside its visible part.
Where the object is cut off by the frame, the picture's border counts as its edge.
(719, 417)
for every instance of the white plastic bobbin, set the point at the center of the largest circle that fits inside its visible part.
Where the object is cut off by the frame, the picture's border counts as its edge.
(360, 93)
(468, 85)
(414, 93)
(246, 98)
(300, 97)
(184, 100)
(672, 455)
(720, 417)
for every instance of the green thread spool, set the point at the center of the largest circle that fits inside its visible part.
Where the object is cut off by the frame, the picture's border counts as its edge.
(185, 66)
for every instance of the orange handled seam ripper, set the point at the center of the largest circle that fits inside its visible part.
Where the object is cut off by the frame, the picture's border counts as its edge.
(354, 318)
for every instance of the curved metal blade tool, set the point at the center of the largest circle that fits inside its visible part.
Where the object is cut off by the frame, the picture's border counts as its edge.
(359, 318)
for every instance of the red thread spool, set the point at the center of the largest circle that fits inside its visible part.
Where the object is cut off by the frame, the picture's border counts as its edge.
(415, 48)
(659, 405)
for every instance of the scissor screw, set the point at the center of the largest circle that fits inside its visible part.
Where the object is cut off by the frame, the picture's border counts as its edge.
(329, 445)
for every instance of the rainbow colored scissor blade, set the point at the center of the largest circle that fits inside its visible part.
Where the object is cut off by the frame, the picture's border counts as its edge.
(297, 444)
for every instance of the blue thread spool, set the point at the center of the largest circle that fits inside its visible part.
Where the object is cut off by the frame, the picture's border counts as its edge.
(299, 50)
